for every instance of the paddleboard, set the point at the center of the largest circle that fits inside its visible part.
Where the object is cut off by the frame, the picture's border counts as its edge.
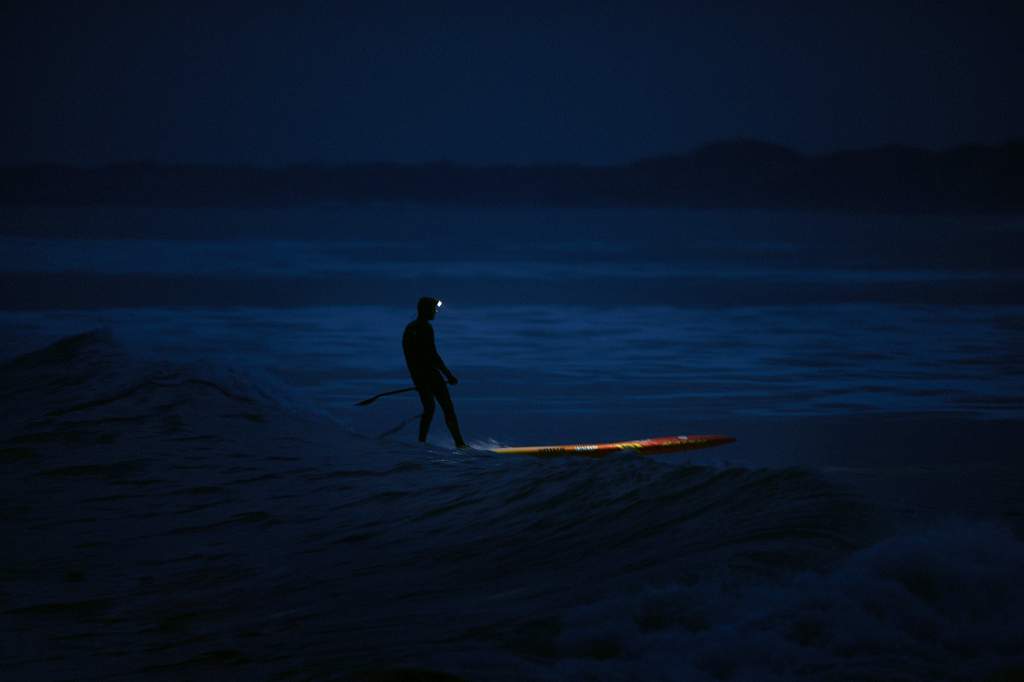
(647, 446)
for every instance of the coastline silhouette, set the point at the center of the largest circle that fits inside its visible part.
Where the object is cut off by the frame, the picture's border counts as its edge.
(737, 173)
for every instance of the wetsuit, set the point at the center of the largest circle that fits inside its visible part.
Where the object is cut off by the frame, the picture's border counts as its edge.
(426, 369)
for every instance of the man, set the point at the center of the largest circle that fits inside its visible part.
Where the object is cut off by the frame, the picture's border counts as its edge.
(426, 367)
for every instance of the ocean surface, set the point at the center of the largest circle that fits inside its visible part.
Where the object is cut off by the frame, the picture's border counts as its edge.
(190, 492)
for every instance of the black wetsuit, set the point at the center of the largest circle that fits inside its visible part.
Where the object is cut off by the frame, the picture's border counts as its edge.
(426, 368)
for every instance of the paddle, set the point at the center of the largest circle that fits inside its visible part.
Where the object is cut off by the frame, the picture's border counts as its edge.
(381, 395)
(399, 427)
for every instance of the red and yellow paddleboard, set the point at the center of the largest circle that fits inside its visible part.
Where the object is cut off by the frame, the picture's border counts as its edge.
(647, 446)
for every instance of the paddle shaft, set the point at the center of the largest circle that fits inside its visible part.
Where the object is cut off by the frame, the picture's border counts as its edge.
(381, 395)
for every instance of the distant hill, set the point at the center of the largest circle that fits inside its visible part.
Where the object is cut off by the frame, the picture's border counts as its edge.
(738, 173)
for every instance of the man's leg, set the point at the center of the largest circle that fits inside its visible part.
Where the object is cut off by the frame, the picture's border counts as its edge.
(443, 397)
(428, 411)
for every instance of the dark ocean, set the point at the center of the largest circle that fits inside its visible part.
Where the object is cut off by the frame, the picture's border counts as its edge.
(189, 492)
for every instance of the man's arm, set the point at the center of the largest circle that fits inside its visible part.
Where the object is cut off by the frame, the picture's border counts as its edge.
(439, 363)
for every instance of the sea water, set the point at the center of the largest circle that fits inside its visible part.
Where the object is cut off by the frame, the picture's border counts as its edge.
(191, 491)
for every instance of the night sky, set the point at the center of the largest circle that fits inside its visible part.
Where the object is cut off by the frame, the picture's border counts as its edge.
(593, 82)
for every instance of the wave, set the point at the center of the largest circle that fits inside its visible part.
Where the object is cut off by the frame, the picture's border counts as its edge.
(939, 604)
(182, 520)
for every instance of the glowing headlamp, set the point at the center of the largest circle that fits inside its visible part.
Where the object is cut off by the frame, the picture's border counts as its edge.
(440, 303)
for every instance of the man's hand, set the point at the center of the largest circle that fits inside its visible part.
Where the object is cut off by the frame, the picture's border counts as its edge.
(452, 379)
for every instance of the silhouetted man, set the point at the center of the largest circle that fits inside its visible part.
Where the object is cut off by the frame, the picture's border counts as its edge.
(426, 368)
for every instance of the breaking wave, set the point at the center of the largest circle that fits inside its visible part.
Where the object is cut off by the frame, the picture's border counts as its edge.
(182, 521)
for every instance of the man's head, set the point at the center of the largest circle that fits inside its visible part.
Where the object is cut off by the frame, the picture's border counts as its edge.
(427, 307)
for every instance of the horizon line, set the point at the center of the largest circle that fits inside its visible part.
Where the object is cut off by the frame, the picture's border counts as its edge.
(723, 142)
